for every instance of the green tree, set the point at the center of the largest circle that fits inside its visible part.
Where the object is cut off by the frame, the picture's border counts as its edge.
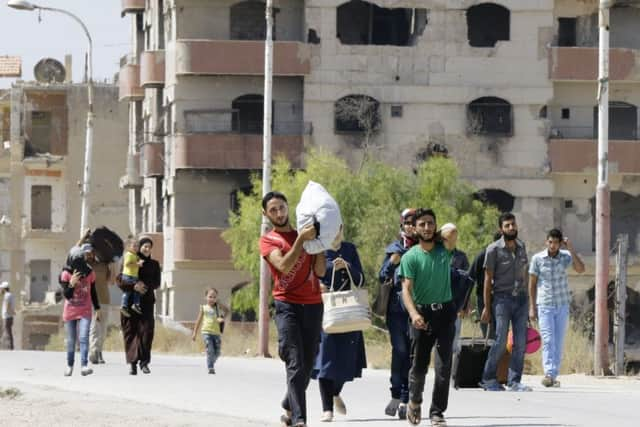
(370, 200)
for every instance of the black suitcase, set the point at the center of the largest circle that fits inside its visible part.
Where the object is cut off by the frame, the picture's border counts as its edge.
(468, 365)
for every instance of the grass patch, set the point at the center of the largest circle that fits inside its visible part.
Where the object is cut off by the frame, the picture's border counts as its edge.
(10, 393)
(240, 340)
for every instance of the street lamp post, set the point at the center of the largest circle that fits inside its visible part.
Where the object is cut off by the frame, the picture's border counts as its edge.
(88, 148)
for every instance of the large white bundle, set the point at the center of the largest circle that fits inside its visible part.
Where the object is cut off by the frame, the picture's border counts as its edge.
(317, 205)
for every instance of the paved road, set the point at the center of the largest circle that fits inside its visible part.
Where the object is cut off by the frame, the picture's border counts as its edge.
(250, 391)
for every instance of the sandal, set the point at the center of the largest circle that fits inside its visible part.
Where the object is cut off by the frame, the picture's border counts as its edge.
(413, 413)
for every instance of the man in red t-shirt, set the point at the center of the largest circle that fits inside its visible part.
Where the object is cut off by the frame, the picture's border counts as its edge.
(298, 304)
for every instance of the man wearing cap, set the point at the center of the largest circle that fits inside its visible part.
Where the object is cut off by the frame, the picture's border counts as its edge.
(397, 319)
(8, 311)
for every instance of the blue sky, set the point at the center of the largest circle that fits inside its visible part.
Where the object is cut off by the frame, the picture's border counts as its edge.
(56, 35)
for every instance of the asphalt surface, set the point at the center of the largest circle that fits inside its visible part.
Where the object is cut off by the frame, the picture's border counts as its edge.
(248, 391)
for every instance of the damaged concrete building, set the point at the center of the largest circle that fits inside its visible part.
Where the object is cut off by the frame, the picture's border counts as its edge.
(41, 166)
(506, 88)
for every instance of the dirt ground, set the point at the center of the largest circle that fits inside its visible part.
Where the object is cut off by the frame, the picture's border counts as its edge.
(47, 406)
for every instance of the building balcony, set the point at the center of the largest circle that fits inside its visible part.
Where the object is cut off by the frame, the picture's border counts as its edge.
(129, 82)
(200, 244)
(581, 64)
(152, 159)
(579, 156)
(132, 6)
(240, 57)
(132, 179)
(234, 150)
(152, 68)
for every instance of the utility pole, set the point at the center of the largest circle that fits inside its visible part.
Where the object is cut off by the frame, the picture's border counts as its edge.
(265, 279)
(619, 317)
(603, 230)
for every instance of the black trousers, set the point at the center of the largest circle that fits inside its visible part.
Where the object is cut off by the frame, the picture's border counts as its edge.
(8, 331)
(440, 333)
(299, 327)
(328, 389)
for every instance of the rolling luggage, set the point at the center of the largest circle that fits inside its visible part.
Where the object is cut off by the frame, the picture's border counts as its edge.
(468, 365)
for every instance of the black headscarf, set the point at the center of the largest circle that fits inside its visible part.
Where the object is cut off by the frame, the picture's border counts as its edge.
(142, 242)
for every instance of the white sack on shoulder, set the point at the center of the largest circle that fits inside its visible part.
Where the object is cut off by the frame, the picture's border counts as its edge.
(317, 205)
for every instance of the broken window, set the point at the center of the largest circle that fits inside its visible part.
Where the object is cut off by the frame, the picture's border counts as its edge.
(248, 114)
(567, 32)
(357, 114)
(487, 23)
(364, 23)
(623, 121)
(624, 218)
(490, 116)
(41, 207)
(248, 21)
(502, 200)
(40, 131)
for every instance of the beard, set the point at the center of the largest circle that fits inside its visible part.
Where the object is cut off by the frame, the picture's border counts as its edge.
(510, 237)
(283, 224)
(426, 239)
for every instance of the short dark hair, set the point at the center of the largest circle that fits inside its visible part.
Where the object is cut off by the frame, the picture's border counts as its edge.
(505, 216)
(272, 195)
(555, 233)
(420, 212)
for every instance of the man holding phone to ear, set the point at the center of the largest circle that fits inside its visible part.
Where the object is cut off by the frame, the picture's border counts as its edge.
(550, 299)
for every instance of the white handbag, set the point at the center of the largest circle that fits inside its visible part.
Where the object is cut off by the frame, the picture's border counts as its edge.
(345, 311)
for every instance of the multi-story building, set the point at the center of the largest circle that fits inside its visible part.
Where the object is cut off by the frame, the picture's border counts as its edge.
(41, 168)
(506, 88)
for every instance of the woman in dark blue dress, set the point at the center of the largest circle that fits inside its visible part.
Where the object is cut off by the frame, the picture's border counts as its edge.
(341, 357)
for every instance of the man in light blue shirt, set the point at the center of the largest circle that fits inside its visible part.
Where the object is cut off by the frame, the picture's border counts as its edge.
(550, 299)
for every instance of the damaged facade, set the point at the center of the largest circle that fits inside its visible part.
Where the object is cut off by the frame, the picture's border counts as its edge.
(506, 88)
(41, 166)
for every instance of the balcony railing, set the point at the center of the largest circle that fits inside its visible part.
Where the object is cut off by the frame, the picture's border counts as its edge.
(589, 132)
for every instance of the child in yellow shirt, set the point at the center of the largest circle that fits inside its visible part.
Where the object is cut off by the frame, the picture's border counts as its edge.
(211, 317)
(130, 269)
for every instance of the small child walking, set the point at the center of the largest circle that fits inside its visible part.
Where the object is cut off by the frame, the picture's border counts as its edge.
(130, 268)
(211, 317)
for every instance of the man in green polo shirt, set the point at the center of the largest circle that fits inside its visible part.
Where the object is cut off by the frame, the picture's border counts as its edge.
(426, 293)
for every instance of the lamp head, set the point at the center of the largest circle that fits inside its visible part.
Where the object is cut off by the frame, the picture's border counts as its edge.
(21, 5)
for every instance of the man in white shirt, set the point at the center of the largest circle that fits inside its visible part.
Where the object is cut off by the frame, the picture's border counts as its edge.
(8, 311)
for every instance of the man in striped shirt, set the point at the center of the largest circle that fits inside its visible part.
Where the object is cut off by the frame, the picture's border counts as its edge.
(550, 298)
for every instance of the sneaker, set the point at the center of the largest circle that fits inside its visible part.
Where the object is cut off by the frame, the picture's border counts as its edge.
(125, 312)
(339, 406)
(327, 417)
(402, 411)
(547, 381)
(212, 371)
(68, 371)
(492, 386)
(438, 420)
(86, 371)
(145, 369)
(556, 384)
(392, 407)
(519, 387)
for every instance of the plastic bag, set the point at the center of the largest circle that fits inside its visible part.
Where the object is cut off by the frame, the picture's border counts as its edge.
(318, 207)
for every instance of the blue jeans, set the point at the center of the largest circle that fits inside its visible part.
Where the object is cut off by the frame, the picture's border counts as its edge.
(213, 344)
(515, 310)
(553, 327)
(72, 328)
(398, 326)
(130, 297)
